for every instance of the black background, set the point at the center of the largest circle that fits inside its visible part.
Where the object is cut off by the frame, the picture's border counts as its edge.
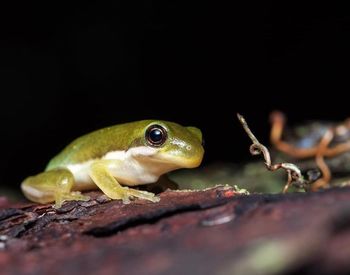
(67, 70)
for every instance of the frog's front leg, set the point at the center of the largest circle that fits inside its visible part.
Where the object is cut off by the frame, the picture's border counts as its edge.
(100, 174)
(54, 185)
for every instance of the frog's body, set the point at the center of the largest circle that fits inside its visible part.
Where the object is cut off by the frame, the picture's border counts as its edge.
(130, 154)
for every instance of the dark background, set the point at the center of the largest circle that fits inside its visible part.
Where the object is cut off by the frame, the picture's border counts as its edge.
(67, 70)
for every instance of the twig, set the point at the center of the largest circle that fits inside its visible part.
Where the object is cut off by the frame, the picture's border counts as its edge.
(294, 174)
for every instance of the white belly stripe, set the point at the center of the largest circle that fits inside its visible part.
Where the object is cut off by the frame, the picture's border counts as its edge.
(130, 171)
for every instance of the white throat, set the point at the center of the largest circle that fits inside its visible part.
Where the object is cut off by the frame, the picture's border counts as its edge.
(132, 167)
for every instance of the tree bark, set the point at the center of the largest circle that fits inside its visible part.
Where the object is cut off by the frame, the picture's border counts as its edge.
(214, 231)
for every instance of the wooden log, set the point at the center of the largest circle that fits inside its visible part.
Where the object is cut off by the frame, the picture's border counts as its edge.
(214, 231)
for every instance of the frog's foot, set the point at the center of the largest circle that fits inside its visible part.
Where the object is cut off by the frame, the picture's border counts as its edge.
(51, 186)
(60, 198)
(125, 194)
(109, 185)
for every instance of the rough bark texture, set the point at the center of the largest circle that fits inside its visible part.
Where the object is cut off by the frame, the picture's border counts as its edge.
(216, 231)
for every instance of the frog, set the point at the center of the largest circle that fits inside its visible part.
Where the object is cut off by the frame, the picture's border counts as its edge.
(116, 160)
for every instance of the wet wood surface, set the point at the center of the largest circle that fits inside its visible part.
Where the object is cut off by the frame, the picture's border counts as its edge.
(215, 231)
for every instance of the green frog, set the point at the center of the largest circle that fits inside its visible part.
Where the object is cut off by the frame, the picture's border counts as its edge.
(114, 159)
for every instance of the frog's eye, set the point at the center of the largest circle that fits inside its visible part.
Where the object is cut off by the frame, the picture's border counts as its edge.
(156, 135)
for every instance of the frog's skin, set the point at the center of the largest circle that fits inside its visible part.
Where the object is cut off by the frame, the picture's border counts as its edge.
(130, 154)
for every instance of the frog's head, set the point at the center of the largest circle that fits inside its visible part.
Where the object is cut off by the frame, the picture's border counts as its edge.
(167, 144)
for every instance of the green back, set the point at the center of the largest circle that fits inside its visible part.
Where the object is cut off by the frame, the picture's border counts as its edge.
(98, 143)
(121, 137)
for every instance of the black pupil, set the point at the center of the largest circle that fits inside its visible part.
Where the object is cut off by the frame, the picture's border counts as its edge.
(156, 135)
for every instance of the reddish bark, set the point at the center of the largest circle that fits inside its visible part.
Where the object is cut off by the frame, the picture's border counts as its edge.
(216, 231)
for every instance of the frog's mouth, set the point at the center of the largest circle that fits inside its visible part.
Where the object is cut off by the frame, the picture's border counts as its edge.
(181, 162)
(175, 161)
(160, 164)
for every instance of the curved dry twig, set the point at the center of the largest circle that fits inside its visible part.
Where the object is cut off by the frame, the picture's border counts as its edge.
(294, 174)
